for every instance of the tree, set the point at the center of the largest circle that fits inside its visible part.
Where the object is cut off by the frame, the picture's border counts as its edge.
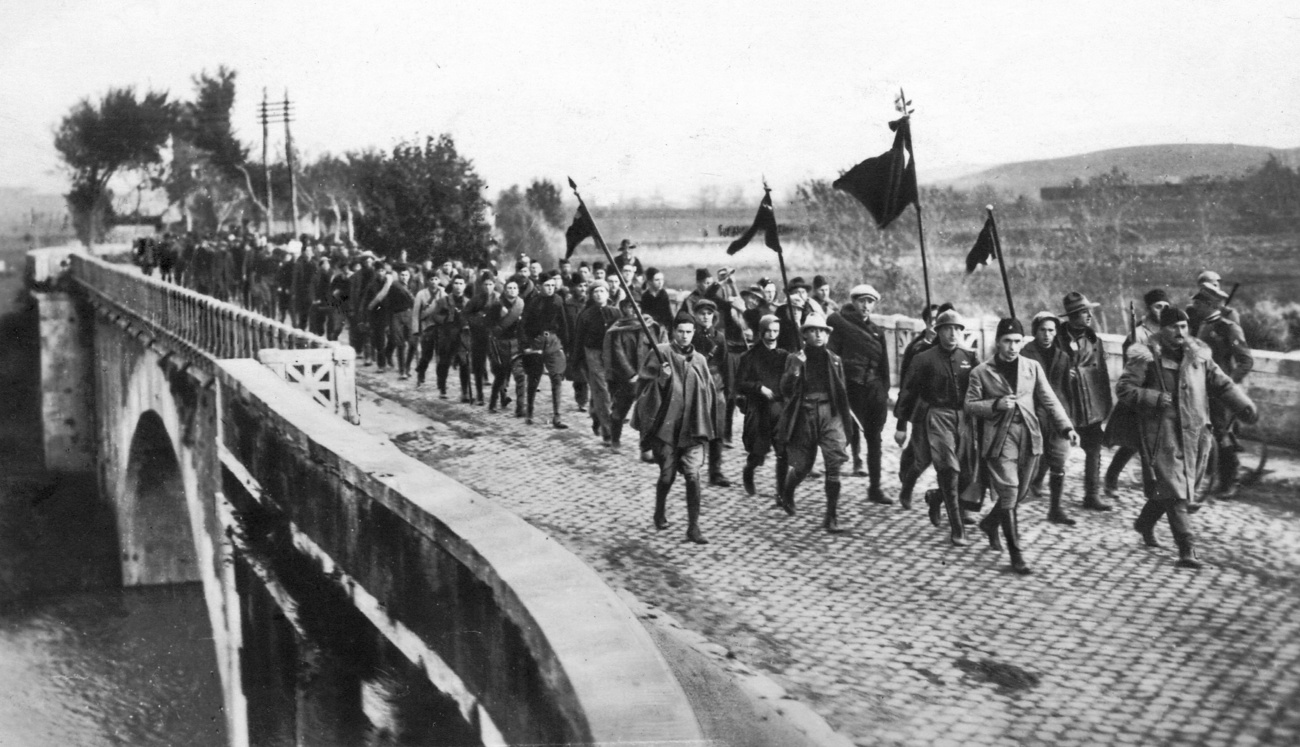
(544, 199)
(424, 198)
(207, 177)
(121, 133)
(521, 226)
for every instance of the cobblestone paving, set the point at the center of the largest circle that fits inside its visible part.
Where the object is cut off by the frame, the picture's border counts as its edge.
(897, 638)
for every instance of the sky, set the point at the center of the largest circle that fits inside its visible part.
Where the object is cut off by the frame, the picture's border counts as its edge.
(668, 98)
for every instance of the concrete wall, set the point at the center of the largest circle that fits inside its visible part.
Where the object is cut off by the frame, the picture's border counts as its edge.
(530, 633)
(67, 382)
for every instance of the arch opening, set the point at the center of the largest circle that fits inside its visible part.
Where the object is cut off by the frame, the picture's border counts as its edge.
(158, 547)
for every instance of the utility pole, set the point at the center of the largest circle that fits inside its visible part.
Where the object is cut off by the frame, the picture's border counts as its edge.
(266, 165)
(288, 148)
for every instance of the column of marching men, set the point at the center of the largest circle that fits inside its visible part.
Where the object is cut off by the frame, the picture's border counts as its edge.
(809, 375)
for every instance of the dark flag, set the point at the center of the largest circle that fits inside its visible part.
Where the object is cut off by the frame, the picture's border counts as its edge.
(984, 249)
(582, 229)
(886, 184)
(764, 221)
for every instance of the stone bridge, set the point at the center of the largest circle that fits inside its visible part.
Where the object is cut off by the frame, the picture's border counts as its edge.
(343, 579)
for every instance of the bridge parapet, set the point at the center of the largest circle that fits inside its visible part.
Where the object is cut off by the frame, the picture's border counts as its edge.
(210, 329)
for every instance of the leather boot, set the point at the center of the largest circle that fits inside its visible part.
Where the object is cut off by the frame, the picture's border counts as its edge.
(1229, 467)
(905, 493)
(1056, 512)
(478, 386)
(661, 505)
(792, 481)
(716, 477)
(615, 432)
(532, 399)
(520, 398)
(556, 384)
(990, 525)
(948, 480)
(934, 500)
(1011, 528)
(1092, 482)
(1187, 552)
(1117, 464)
(693, 512)
(1145, 523)
(832, 521)
(782, 474)
(747, 476)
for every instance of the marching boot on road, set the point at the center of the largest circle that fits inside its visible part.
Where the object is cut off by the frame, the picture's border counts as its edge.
(1055, 363)
(1088, 399)
(933, 397)
(816, 406)
(676, 414)
(860, 343)
(1014, 406)
(1170, 382)
(758, 379)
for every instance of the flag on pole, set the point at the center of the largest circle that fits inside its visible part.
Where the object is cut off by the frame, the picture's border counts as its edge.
(886, 184)
(764, 221)
(985, 248)
(582, 228)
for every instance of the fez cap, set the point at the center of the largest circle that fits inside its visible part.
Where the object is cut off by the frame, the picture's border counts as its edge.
(820, 281)
(1172, 315)
(683, 317)
(1010, 326)
(795, 285)
(702, 274)
(1155, 295)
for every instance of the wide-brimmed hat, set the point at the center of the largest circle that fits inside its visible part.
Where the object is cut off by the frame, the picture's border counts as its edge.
(949, 317)
(864, 289)
(814, 321)
(755, 291)
(1075, 302)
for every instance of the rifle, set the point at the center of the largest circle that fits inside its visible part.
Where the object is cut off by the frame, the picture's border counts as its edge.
(1231, 294)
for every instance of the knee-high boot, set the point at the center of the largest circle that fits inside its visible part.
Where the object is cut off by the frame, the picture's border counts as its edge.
(521, 396)
(533, 383)
(478, 386)
(1056, 512)
(556, 384)
(1182, 529)
(1229, 467)
(1011, 529)
(948, 480)
(832, 521)
(792, 480)
(1092, 481)
(909, 478)
(1145, 523)
(782, 474)
(693, 512)
(715, 465)
(661, 504)
(1117, 464)
(990, 525)
(874, 493)
(752, 463)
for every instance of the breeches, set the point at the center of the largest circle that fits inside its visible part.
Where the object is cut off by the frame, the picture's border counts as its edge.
(551, 358)
(943, 433)
(819, 427)
(1011, 472)
(760, 424)
(684, 459)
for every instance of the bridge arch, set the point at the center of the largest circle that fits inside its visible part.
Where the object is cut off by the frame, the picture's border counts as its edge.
(159, 547)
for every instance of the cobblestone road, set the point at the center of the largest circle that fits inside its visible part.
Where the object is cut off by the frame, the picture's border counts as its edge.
(897, 638)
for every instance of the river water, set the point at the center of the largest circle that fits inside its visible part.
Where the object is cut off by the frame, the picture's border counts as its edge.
(82, 661)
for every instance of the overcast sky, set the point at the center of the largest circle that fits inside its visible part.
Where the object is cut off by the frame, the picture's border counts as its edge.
(670, 96)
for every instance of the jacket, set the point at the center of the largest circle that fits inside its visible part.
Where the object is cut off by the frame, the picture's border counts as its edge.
(1087, 398)
(627, 349)
(1034, 395)
(937, 378)
(678, 409)
(1176, 440)
(792, 390)
(860, 343)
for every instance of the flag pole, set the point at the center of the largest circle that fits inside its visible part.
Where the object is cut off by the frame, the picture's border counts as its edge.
(600, 242)
(920, 223)
(780, 254)
(1002, 264)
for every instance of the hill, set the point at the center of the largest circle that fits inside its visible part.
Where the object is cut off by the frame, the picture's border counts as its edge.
(1146, 164)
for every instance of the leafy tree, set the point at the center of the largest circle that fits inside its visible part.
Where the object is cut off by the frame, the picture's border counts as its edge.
(119, 134)
(424, 198)
(521, 226)
(544, 198)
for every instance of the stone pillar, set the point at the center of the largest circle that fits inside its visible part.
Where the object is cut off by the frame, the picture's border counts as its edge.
(67, 382)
